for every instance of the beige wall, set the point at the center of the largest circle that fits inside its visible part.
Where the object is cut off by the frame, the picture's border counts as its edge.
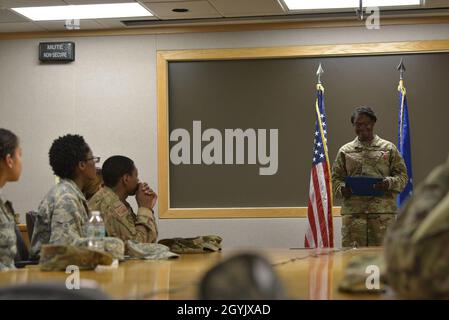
(109, 95)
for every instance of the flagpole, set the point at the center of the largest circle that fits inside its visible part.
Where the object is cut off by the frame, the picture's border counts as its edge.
(319, 86)
(401, 88)
(319, 210)
(404, 135)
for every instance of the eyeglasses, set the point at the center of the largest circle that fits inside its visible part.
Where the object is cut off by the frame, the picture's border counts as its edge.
(95, 159)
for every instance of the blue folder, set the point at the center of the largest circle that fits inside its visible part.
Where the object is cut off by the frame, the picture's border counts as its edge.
(364, 186)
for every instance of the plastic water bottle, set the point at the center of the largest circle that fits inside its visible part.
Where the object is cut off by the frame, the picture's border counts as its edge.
(95, 231)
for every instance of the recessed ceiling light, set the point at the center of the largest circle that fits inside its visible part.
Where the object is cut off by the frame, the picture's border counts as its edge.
(180, 10)
(88, 11)
(340, 4)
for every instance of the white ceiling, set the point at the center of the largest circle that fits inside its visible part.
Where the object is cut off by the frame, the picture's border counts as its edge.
(226, 11)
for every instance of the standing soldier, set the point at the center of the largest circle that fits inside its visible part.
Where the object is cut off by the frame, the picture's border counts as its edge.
(366, 218)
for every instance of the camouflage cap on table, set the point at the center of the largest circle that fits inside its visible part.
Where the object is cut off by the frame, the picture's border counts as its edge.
(360, 273)
(58, 257)
(149, 251)
(114, 246)
(201, 244)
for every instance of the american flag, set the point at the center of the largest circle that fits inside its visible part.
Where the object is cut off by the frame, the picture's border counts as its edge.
(320, 233)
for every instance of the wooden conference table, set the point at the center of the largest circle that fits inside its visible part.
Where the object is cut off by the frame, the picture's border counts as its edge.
(306, 274)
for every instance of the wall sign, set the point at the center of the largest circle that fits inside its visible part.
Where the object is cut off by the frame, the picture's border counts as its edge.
(57, 51)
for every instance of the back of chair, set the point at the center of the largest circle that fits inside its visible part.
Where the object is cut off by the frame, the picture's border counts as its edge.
(50, 291)
(22, 250)
(244, 276)
(30, 218)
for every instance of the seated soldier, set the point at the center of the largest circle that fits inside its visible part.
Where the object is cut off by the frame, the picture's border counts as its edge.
(10, 170)
(416, 245)
(121, 181)
(63, 212)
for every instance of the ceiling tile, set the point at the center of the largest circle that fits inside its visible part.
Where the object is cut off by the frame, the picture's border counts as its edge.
(162, 9)
(19, 27)
(242, 8)
(9, 16)
(197, 9)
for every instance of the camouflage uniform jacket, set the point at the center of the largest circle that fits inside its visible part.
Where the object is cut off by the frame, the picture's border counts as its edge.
(379, 158)
(416, 245)
(8, 238)
(61, 217)
(120, 220)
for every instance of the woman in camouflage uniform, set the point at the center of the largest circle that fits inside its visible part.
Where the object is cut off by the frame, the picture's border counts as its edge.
(63, 213)
(10, 170)
(366, 218)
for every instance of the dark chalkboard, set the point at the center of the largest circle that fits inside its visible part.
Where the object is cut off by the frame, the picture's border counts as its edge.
(279, 93)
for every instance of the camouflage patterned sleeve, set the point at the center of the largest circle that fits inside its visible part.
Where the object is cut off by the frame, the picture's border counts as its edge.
(339, 174)
(416, 244)
(8, 247)
(65, 227)
(398, 172)
(121, 222)
(146, 224)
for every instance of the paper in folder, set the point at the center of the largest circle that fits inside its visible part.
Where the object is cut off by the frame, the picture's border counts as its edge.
(364, 186)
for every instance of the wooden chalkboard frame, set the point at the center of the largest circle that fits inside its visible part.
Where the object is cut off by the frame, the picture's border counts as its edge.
(163, 59)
